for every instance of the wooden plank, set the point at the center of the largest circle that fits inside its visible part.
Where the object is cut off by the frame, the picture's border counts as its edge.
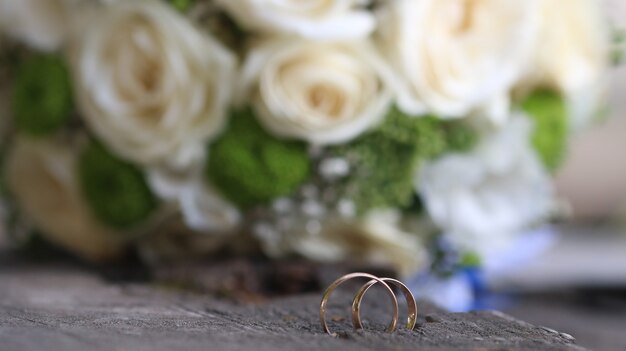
(65, 307)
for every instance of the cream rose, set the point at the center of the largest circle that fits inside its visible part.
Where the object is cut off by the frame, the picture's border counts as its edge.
(322, 92)
(150, 85)
(40, 23)
(321, 19)
(42, 176)
(485, 198)
(571, 54)
(454, 56)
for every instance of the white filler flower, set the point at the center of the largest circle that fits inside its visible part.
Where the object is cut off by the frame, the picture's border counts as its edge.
(43, 178)
(484, 198)
(378, 238)
(453, 56)
(202, 208)
(150, 85)
(316, 19)
(322, 92)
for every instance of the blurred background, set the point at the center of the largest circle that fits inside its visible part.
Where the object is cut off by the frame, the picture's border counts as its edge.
(578, 285)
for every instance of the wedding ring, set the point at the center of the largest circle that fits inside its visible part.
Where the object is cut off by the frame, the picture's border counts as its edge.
(410, 302)
(326, 296)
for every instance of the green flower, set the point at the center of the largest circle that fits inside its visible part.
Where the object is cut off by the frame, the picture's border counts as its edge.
(251, 167)
(549, 112)
(42, 97)
(386, 159)
(181, 5)
(115, 189)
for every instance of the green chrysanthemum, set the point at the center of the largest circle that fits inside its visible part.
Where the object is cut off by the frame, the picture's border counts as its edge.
(42, 100)
(549, 112)
(385, 160)
(115, 189)
(251, 167)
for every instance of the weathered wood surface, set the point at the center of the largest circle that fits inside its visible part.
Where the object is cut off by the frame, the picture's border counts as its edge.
(597, 318)
(65, 307)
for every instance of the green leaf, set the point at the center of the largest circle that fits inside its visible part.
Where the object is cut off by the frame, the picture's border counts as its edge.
(470, 259)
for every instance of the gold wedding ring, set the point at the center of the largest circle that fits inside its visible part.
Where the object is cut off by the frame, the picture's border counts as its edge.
(408, 296)
(356, 303)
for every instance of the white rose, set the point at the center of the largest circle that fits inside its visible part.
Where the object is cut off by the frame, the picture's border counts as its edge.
(571, 54)
(379, 238)
(453, 56)
(42, 176)
(202, 208)
(484, 198)
(322, 92)
(42, 24)
(151, 86)
(318, 19)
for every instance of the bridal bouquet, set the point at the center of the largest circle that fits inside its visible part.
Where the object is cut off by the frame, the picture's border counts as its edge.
(420, 134)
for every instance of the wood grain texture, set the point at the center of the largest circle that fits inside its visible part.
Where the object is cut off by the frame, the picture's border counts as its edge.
(64, 307)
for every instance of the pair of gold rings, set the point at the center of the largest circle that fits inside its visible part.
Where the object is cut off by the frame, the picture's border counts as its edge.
(356, 302)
